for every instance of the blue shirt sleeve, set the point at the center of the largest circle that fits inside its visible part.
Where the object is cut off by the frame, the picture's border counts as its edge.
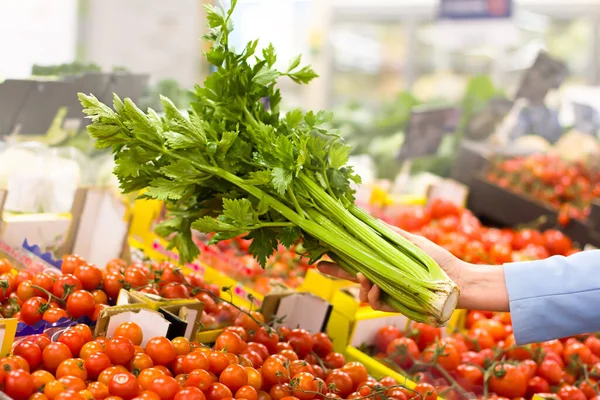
(554, 298)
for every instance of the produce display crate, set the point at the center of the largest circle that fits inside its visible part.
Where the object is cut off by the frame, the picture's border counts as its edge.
(507, 208)
(321, 285)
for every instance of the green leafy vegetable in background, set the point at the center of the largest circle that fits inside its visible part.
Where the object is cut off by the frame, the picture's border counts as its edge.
(234, 166)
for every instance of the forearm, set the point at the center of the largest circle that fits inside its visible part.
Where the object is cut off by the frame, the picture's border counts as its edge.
(483, 287)
(548, 299)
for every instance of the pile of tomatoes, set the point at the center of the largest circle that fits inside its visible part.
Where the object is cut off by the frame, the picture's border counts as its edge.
(565, 186)
(83, 290)
(247, 361)
(232, 258)
(460, 232)
(484, 361)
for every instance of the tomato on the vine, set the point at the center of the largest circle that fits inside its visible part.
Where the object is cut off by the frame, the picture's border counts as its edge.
(33, 310)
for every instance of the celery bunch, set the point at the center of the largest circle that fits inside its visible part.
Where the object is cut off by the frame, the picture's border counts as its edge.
(233, 166)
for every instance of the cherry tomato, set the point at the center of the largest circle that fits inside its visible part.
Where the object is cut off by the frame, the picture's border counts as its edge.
(120, 350)
(55, 353)
(96, 363)
(81, 303)
(66, 283)
(342, 382)
(30, 351)
(18, 384)
(217, 391)
(73, 340)
(403, 351)
(70, 263)
(231, 342)
(508, 381)
(124, 385)
(89, 276)
(112, 284)
(385, 335)
(161, 350)
(165, 386)
(72, 367)
(33, 310)
(131, 331)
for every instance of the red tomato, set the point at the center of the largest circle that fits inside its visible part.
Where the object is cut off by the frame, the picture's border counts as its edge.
(469, 377)
(112, 284)
(124, 385)
(425, 391)
(446, 356)
(230, 341)
(165, 386)
(301, 341)
(89, 275)
(550, 371)
(33, 310)
(70, 262)
(425, 335)
(342, 382)
(234, 377)
(73, 340)
(441, 208)
(53, 315)
(218, 391)
(18, 384)
(385, 335)
(577, 351)
(526, 237)
(403, 351)
(508, 381)
(136, 277)
(96, 363)
(120, 350)
(322, 344)
(537, 385)
(557, 243)
(55, 353)
(81, 303)
(66, 284)
(161, 350)
(192, 393)
(30, 351)
(500, 253)
(569, 392)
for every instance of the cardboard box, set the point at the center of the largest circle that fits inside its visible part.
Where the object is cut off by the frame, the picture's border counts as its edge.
(155, 315)
(292, 309)
(47, 230)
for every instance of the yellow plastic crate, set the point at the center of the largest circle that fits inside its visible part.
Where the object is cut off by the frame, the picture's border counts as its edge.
(8, 330)
(376, 368)
(348, 313)
(321, 285)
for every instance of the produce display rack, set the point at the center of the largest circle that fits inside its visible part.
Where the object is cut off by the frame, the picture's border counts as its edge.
(506, 208)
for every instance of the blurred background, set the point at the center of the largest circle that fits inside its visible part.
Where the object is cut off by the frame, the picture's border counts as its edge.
(379, 62)
(365, 51)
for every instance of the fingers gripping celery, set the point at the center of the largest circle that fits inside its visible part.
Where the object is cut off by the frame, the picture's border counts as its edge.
(233, 166)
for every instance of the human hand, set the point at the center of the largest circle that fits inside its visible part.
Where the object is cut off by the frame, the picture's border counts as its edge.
(370, 293)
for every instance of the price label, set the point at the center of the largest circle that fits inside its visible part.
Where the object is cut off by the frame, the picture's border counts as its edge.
(449, 190)
(545, 74)
(587, 118)
(42, 105)
(426, 129)
(13, 94)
